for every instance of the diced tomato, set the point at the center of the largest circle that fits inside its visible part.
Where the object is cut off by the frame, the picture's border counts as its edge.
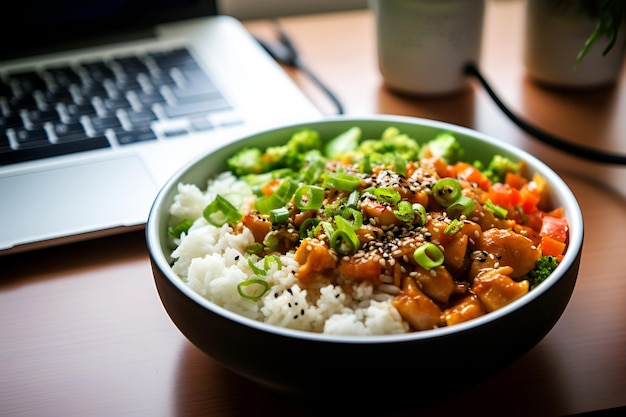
(444, 170)
(515, 181)
(554, 227)
(552, 247)
(504, 195)
(557, 212)
(529, 199)
(534, 220)
(470, 173)
(270, 187)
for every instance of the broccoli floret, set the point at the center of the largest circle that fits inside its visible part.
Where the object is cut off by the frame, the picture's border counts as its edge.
(247, 161)
(400, 144)
(544, 266)
(371, 146)
(444, 145)
(291, 154)
(304, 141)
(499, 166)
(343, 144)
(391, 142)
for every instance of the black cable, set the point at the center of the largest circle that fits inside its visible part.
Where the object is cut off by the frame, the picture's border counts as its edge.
(285, 53)
(580, 151)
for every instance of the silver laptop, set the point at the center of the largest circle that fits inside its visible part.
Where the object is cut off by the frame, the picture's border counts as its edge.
(89, 135)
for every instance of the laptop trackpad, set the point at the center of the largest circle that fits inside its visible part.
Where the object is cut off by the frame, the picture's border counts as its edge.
(115, 192)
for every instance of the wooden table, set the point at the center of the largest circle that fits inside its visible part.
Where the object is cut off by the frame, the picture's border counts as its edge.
(83, 332)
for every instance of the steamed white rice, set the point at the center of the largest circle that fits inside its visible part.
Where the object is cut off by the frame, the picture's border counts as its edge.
(213, 261)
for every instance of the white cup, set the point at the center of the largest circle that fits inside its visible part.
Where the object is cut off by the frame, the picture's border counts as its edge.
(424, 45)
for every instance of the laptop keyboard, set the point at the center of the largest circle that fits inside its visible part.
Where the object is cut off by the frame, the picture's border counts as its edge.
(102, 104)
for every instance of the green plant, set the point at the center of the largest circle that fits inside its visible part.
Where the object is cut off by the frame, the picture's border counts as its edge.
(610, 15)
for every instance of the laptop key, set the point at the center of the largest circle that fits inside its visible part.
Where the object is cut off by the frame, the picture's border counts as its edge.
(148, 98)
(22, 102)
(116, 103)
(187, 109)
(74, 110)
(98, 71)
(125, 137)
(101, 123)
(69, 131)
(64, 76)
(141, 117)
(31, 137)
(131, 65)
(5, 145)
(12, 120)
(38, 117)
(57, 149)
(58, 96)
(29, 81)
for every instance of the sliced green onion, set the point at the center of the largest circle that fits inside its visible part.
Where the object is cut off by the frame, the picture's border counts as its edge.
(252, 289)
(353, 199)
(279, 215)
(255, 269)
(404, 212)
(328, 229)
(463, 206)
(453, 228)
(387, 195)
(370, 160)
(356, 215)
(306, 226)
(253, 248)
(400, 166)
(420, 212)
(499, 211)
(313, 171)
(446, 191)
(309, 197)
(342, 181)
(272, 258)
(267, 203)
(234, 198)
(271, 241)
(285, 190)
(221, 211)
(344, 240)
(428, 255)
(182, 227)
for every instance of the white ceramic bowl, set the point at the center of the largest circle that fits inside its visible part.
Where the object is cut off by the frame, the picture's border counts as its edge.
(302, 363)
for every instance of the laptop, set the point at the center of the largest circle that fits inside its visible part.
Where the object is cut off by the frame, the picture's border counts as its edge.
(101, 101)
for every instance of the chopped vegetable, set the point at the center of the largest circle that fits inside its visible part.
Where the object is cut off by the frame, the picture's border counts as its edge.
(428, 256)
(252, 289)
(499, 167)
(393, 143)
(445, 146)
(544, 267)
(446, 191)
(182, 227)
(221, 211)
(345, 143)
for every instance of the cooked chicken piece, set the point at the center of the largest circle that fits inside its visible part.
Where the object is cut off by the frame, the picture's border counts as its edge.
(417, 308)
(499, 247)
(495, 288)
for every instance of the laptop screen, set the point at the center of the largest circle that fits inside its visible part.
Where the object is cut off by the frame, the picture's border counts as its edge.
(39, 26)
